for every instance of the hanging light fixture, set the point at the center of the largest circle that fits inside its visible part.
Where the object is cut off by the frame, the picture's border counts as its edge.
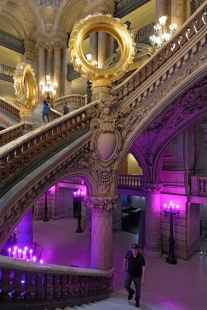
(160, 37)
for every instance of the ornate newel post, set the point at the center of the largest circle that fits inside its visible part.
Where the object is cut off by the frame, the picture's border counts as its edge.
(102, 232)
(152, 221)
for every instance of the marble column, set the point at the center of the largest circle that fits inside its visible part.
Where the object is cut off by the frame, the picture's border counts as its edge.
(41, 66)
(103, 51)
(102, 232)
(94, 46)
(49, 57)
(57, 68)
(163, 8)
(152, 221)
(178, 12)
(25, 231)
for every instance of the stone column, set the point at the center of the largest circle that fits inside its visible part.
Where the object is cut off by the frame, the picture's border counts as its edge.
(41, 64)
(49, 61)
(25, 230)
(102, 48)
(178, 12)
(152, 221)
(94, 46)
(102, 232)
(163, 8)
(57, 68)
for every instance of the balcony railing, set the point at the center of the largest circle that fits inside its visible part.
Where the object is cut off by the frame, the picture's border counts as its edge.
(198, 186)
(130, 181)
(38, 285)
(6, 73)
(73, 101)
(11, 42)
(124, 7)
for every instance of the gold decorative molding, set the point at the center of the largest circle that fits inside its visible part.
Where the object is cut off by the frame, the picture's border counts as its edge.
(114, 27)
(25, 85)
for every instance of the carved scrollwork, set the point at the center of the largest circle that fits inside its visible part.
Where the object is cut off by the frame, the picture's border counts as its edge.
(102, 205)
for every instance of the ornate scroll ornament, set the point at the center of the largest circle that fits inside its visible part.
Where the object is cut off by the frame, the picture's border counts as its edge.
(153, 187)
(106, 141)
(102, 205)
(25, 85)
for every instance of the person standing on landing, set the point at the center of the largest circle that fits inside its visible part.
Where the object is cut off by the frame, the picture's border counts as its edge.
(46, 111)
(134, 266)
(65, 109)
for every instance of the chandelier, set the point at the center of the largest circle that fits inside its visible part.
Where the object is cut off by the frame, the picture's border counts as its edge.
(160, 37)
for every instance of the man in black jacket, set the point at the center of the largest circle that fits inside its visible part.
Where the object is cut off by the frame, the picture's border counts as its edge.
(134, 266)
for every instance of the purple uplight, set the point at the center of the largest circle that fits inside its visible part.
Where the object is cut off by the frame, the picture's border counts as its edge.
(79, 193)
(171, 207)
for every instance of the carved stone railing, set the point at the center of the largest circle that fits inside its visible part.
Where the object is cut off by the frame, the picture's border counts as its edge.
(6, 73)
(10, 107)
(12, 133)
(13, 157)
(195, 4)
(190, 29)
(198, 186)
(27, 285)
(73, 101)
(124, 7)
(11, 42)
(130, 181)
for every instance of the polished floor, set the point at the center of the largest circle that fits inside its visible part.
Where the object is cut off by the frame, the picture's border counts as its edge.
(178, 287)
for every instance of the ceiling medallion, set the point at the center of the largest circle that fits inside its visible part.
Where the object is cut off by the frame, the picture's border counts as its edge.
(12, 5)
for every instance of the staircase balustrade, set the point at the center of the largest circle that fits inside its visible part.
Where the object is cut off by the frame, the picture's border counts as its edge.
(162, 55)
(34, 284)
(12, 133)
(14, 155)
(9, 107)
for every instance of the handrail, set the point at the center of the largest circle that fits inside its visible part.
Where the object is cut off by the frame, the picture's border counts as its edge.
(10, 107)
(9, 134)
(162, 55)
(28, 282)
(204, 239)
(14, 155)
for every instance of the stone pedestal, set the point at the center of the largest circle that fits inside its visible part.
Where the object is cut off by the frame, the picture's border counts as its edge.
(26, 116)
(101, 232)
(25, 231)
(101, 88)
(152, 221)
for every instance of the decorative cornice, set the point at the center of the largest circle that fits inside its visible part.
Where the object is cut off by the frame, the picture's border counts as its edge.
(154, 188)
(102, 205)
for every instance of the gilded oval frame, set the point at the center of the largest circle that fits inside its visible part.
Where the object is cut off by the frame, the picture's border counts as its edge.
(114, 27)
(25, 85)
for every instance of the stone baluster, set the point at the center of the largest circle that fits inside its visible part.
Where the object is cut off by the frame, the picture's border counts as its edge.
(102, 232)
(152, 221)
